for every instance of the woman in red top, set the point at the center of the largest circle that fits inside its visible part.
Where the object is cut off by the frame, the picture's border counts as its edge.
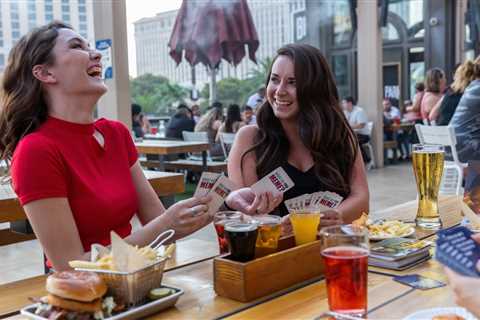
(77, 179)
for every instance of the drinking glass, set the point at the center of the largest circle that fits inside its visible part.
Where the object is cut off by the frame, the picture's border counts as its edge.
(241, 237)
(269, 230)
(345, 253)
(219, 220)
(427, 161)
(305, 226)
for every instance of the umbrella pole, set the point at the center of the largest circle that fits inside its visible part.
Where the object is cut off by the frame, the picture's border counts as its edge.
(213, 85)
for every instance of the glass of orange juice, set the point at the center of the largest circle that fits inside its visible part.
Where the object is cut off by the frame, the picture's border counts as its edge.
(305, 226)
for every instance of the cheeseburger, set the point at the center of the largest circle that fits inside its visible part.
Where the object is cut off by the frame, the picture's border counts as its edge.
(75, 295)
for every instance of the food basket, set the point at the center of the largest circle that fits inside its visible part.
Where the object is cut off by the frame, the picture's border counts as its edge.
(132, 287)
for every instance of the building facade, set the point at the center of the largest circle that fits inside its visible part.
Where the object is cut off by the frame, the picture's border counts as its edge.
(17, 17)
(273, 20)
(416, 35)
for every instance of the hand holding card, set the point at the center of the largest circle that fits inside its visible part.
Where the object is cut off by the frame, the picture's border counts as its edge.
(276, 182)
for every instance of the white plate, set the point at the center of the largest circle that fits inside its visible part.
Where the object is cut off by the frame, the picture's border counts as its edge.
(347, 229)
(428, 314)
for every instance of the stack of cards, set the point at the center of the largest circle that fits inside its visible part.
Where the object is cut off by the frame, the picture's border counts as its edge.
(276, 182)
(458, 251)
(311, 202)
(216, 185)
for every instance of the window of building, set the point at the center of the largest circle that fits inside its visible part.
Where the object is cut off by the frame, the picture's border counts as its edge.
(2, 60)
(15, 35)
(82, 18)
(66, 17)
(390, 33)
(15, 25)
(48, 17)
(342, 23)
(48, 7)
(411, 12)
(340, 70)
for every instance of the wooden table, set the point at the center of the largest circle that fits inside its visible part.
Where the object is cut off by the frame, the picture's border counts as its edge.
(386, 298)
(166, 147)
(165, 184)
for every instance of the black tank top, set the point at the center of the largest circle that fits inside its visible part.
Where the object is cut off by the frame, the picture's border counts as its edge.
(305, 182)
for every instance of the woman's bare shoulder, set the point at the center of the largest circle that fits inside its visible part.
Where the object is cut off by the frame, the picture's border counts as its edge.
(246, 134)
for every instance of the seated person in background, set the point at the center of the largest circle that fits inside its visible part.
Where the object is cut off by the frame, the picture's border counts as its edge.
(256, 99)
(248, 116)
(466, 290)
(196, 112)
(435, 85)
(233, 121)
(210, 122)
(391, 112)
(137, 121)
(181, 121)
(77, 179)
(412, 110)
(443, 112)
(301, 128)
(466, 119)
(357, 118)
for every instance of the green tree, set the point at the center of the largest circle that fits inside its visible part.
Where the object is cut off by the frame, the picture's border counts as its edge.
(156, 94)
(232, 90)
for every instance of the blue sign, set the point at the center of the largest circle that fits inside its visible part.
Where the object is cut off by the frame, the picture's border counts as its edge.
(105, 48)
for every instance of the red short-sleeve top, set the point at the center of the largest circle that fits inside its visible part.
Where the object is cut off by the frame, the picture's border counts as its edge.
(64, 160)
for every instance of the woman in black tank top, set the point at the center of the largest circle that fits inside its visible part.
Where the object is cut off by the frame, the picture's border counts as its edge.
(302, 129)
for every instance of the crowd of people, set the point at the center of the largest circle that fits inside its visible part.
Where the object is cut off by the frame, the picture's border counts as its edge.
(434, 103)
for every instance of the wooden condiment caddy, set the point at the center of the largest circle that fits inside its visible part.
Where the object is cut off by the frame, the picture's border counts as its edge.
(290, 265)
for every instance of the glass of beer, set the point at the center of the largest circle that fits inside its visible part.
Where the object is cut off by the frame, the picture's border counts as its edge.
(269, 230)
(241, 237)
(219, 220)
(305, 226)
(345, 254)
(427, 160)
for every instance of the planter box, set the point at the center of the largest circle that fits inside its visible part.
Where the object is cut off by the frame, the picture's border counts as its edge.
(246, 281)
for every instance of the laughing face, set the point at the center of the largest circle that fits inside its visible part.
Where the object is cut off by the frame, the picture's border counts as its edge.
(76, 68)
(282, 90)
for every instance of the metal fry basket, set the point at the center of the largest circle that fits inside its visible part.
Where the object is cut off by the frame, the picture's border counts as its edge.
(132, 287)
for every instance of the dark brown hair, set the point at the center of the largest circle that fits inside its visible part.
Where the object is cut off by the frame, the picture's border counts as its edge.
(23, 107)
(432, 81)
(322, 125)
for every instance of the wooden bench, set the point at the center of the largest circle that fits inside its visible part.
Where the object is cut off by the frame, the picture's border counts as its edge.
(165, 184)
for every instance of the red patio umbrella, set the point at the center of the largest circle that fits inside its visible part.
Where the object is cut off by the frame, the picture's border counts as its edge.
(207, 31)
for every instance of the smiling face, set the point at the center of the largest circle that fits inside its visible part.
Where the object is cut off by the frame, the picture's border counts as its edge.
(282, 90)
(76, 68)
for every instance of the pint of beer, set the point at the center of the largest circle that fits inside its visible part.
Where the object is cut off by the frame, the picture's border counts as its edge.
(428, 167)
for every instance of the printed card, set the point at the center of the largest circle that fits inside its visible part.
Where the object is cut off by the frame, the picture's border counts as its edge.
(419, 282)
(276, 182)
(220, 190)
(207, 180)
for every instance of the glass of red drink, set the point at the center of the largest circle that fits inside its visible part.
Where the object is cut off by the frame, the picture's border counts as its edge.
(219, 220)
(345, 253)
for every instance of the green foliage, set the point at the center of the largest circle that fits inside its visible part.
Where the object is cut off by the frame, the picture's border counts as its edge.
(232, 90)
(156, 94)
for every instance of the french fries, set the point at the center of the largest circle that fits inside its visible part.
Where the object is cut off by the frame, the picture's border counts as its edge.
(106, 262)
(387, 229)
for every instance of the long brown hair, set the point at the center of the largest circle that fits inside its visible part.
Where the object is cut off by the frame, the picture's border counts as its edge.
(23, 107)
(432, 80)
(322, 125)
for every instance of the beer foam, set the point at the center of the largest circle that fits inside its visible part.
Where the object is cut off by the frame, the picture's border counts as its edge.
(241, 227)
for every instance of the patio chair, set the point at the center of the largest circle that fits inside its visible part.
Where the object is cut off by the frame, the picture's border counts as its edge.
(369, 147)
(226, 140)
(196, 136)
(452, 178)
